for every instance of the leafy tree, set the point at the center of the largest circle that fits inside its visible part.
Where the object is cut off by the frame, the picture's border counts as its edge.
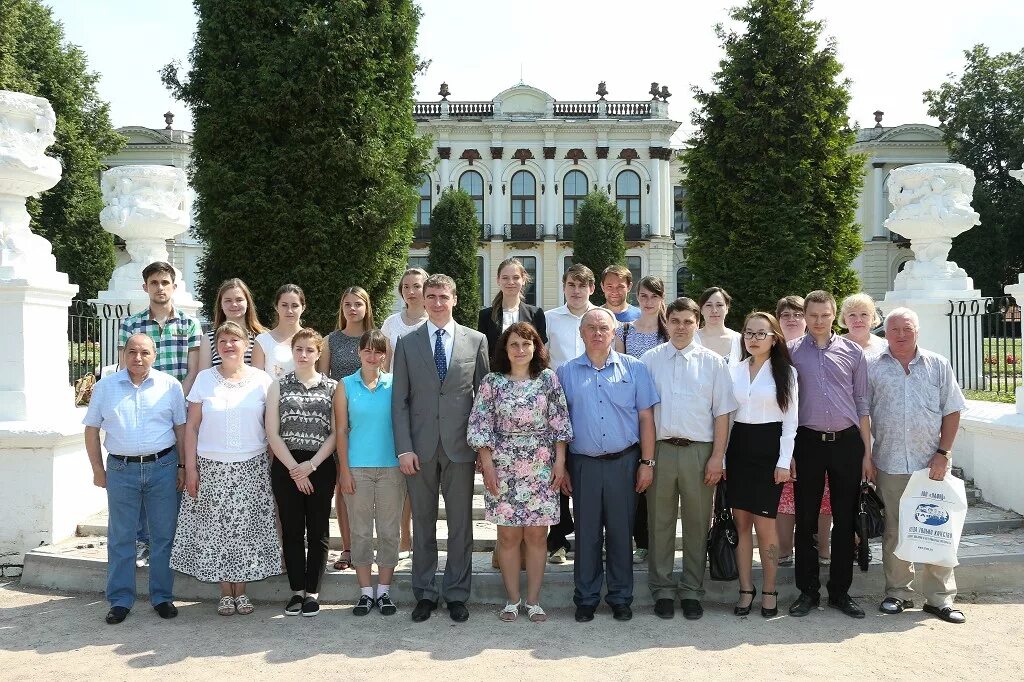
(454, 239)
(772, 188)
(981, 113)
(35, 58)
(305, 153)
(599, 237)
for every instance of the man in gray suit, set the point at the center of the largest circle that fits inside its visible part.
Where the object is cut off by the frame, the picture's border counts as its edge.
(437, 369)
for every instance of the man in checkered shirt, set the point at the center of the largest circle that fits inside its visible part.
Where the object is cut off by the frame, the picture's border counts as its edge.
(177, 337)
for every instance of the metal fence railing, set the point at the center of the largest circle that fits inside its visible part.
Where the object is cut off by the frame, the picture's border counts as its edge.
(985, 344)
(92, 342)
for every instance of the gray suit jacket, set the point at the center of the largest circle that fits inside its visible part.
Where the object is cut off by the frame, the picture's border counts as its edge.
(426, 412)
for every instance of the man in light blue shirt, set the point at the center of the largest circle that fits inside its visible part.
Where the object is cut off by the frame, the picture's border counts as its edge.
(610, 397)
(142, 412)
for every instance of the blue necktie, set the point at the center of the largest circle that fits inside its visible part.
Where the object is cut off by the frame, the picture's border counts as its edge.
(439, 359)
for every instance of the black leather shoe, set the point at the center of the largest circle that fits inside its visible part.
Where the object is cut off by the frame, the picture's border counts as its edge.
(458, 612)
(946, 613)
(116, 614)
(665, 608)
(891, 605)
(166, 609)
(584, 614)
(770, 612)
(803, 605)
(692, 610)
(745, 610)
(847, 606)
(423, 609)
(622, 612)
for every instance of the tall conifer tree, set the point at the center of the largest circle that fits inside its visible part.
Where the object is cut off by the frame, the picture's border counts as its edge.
(599, 237)
(454, 240)
(772, 188)
(305, 154)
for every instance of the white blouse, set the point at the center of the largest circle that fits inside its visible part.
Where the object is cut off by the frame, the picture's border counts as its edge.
(735, 348)
(395, 327)
(232, 427)
(758, 404)
(277, 357)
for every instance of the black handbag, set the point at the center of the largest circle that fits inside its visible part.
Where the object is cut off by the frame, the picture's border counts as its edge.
(870, 522)
(722, 539)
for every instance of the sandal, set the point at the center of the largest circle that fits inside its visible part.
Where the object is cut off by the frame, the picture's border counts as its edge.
(226, 606)
(344, 561)
(825, 561)
(745, 610)
(510, 612)
(243, 605)
(786, 560)
(536, 613)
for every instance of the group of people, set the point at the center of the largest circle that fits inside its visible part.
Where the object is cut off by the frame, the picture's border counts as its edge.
(634, 413)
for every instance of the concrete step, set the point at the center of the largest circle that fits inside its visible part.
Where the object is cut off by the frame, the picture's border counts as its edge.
(973, 492)
(989, 563)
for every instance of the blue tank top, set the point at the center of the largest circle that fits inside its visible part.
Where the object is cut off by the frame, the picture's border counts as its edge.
(371, 442)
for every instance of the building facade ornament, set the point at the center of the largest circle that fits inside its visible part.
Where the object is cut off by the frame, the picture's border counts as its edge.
(497, 152)
(602, 152)
(444, 153)
(629, 155)
(549, 152)
(522, 155)
(470, 155)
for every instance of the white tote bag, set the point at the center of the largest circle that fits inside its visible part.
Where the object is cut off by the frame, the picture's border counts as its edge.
(932, 515)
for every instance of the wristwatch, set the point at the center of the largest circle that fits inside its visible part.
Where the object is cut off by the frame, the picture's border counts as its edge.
(312, 465)
(647, 462)
(948, 454)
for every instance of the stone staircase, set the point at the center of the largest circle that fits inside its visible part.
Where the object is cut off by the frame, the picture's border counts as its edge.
(991, 556)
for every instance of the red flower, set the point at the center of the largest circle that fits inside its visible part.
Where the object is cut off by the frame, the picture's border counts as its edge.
(1011, 360)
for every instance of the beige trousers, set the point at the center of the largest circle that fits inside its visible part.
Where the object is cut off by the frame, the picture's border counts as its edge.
(937, 583)
(378, 500)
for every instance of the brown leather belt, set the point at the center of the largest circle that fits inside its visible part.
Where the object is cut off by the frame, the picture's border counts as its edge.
(678, 442)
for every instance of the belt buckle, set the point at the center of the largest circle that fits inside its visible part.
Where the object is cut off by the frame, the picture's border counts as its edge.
(828, 436)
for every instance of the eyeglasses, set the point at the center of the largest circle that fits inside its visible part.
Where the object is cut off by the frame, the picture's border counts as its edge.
(791, 316)
(760, 336)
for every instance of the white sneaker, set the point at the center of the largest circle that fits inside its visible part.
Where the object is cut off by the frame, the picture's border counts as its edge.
(557, 557)
(141, 554)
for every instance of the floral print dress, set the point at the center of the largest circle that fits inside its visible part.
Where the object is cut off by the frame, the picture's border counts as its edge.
(520, 421)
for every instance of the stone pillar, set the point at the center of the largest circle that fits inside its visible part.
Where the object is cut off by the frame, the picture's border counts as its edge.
(497, 196)
(932, 204)
(44, 471)
(654, 202)
(878, 221)
(1017, 291)
(549, 197)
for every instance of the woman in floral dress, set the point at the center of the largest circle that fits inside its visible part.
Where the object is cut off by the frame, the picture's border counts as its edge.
(520, 427)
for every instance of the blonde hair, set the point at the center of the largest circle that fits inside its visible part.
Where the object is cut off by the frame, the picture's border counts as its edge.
(231, 328)
(858, 301)
(361, 294)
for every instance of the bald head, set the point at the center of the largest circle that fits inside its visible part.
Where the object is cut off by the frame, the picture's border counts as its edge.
(140, 338)
(139, 355)
(599, 313)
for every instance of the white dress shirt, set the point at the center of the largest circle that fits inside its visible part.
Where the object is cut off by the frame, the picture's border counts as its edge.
(564, 340)
(695, 387)
(758, 404)
(447, 339)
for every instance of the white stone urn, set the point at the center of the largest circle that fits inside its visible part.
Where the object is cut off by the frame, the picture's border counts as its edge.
(931, 206)
(26, 130)
(145, 206)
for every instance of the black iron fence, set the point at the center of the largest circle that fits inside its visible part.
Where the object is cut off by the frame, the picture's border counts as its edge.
(92, 340)
(985, 344)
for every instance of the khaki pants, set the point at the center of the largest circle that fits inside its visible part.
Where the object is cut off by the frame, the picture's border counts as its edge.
(679, 478)
(937, 582)
(378, 500)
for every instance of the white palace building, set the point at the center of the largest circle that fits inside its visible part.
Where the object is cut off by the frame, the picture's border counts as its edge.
(527, 160)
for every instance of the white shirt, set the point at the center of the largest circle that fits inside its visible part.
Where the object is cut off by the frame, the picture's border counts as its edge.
(447, 339)
(695, 387)
(395, 328)
(758, 404)
(277, 357)
(735, 350)
(564, 340)
(509, 317)
(232, 427)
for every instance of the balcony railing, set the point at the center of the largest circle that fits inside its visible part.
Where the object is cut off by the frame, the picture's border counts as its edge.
(625, 109)
(444, 109)
(573, 109)
(426, 109)
(523, 233)
(564, 232)
(636, 233)
(485, 232)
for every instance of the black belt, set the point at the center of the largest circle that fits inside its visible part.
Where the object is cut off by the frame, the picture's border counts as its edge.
(612, 455)
(142, 458)
(830, 436)
(678, 442)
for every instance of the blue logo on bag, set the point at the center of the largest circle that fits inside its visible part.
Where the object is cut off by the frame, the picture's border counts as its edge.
(931, 515)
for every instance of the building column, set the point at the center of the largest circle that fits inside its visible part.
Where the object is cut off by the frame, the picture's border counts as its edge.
(880, 213)
(549, 197)
(654, 199)
(497, 198)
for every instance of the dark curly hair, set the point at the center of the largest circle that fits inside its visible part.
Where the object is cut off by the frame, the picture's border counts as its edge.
(500, 362)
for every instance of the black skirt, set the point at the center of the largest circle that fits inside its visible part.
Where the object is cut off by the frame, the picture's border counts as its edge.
(750, 468)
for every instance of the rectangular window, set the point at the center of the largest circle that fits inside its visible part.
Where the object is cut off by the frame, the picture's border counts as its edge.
(634, 264)
(680, 217)
(480, 277)
(419, 262)
(530, 292)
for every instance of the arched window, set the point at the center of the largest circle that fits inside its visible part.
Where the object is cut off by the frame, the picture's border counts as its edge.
(524, 206)
(683, 279)
(423, 214)
(627, 198)
(472, 184)
(574, 191)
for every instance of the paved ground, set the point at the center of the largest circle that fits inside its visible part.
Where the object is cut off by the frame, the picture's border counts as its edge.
(45, 634)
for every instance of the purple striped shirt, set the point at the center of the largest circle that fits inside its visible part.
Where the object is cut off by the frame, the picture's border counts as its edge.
(833, 383)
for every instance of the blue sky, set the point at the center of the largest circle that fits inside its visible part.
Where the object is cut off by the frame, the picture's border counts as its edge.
(892, 50)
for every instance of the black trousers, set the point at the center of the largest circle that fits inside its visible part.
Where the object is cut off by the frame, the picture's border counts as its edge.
(558, 532)
(640, 526)
(842, 461)
(305, 520)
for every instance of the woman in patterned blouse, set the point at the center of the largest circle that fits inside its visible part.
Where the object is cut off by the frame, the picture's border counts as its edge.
(300, 430)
